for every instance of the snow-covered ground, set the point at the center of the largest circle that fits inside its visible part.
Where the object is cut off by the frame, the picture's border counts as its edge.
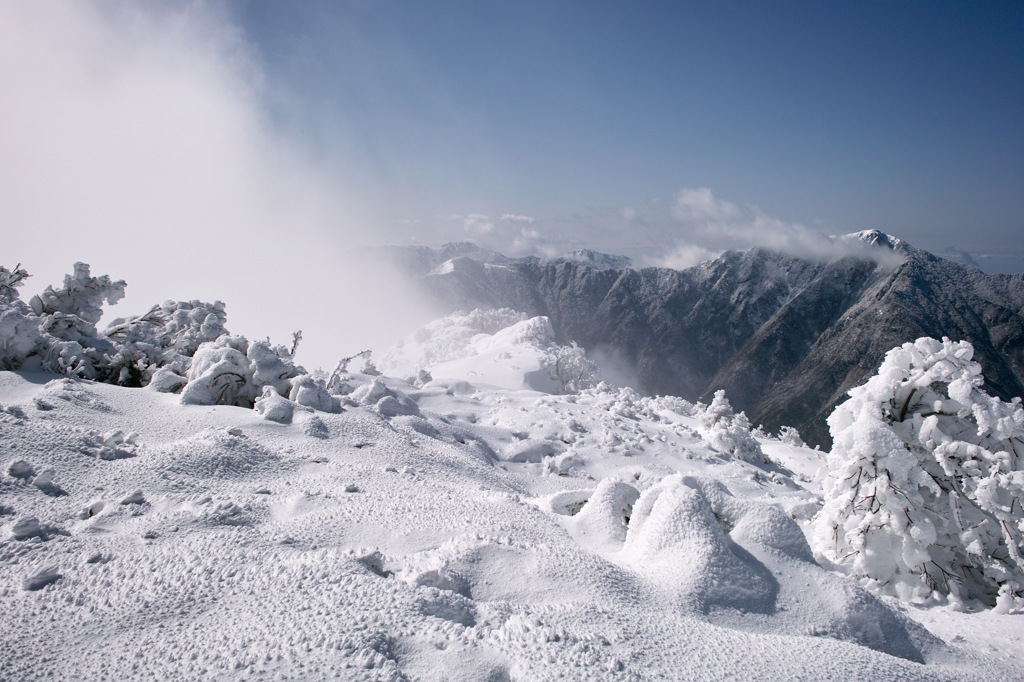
(462, 525)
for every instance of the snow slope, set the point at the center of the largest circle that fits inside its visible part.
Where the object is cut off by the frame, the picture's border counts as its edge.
(468, 528)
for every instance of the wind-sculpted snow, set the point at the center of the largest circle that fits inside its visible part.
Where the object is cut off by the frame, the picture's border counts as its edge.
(459, 525)
(414, 547)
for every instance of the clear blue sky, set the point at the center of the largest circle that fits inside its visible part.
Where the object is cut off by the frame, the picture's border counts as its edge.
(902, 116)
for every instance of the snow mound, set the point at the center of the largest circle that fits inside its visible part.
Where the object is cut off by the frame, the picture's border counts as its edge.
(446, 339)
(211, 454)
(446, 528)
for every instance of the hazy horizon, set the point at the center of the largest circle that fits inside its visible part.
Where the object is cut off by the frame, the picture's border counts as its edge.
(237, 149)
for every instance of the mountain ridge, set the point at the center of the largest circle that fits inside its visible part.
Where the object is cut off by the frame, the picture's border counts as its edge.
(785, 337)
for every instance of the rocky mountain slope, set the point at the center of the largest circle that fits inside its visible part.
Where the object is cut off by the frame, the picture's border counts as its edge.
(785, 337)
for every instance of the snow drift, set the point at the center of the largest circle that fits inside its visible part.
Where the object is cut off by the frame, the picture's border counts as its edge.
(243, 516)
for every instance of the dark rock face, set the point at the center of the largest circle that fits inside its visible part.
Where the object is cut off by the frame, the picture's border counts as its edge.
(786, 338)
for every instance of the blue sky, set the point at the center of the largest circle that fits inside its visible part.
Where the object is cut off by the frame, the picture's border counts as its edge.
(906, 117)
(237, 149)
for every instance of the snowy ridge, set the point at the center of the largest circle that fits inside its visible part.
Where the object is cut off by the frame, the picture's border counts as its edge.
(453, 526)
(499, 513)
(785, 336)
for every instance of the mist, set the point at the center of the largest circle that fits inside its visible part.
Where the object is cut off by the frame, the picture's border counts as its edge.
(136, 138)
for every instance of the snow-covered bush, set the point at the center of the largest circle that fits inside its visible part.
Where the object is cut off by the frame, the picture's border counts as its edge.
(177, 345)
(312, 392)
(81, 297)
(790, 436)
(10, 281)
(164, 338)
(727, 431)
(178, 325)
(273, 407)
(571, 369)
(273, 366)
(67, 323)
(19, 327)
(221, 374)
(924, 491)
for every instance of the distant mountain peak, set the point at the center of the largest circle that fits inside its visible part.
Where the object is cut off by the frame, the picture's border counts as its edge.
(595, 259)
(876, 238)
(785, 336)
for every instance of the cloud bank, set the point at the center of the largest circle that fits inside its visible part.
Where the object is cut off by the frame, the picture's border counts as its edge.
(707, 225)
(694, 226)
(135, 138)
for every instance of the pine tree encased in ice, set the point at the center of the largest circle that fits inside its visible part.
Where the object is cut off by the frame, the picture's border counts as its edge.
(925, 481)
(728, 432)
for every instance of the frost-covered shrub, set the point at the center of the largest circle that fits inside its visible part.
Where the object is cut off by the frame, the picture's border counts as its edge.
(221, 374)
(571, 369)
(166, 380)
(177, 345)
(19, 326)
(67, 323)
(81, 297)
(165, 337)
(790, 436)
(178, 325)
(10, 281)
(925, 481)
(273, 407)
(313, 393)
(273, 366)
(727, 431)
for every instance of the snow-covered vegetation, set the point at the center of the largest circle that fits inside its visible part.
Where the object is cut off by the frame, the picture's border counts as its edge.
(483, 507)
(925, 482)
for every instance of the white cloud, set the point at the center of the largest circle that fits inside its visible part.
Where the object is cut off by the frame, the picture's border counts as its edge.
(707, 224)
(135, 138)
(474, 223)
(694, 226)
(478, 223)
(701, 205)
(684, 256)
(517, 219)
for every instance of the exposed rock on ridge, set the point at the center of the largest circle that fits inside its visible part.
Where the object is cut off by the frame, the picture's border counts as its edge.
(785, 337)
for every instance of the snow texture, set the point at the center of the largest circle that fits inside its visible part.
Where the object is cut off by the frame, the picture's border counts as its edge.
(464, 525)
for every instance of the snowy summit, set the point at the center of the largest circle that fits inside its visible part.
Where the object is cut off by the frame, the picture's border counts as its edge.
(477, 504)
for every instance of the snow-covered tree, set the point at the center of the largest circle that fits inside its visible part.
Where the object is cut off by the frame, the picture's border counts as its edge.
(19, 327)
(571, 369)
(165, 337)
(10, 281)
(67, 323)
(925, 481)
(727, 431)
(790, 436)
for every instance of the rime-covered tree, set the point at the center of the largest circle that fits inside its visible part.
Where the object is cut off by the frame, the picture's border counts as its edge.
(19, 327)
(925, 481)
(570, 368)
(727, 431)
